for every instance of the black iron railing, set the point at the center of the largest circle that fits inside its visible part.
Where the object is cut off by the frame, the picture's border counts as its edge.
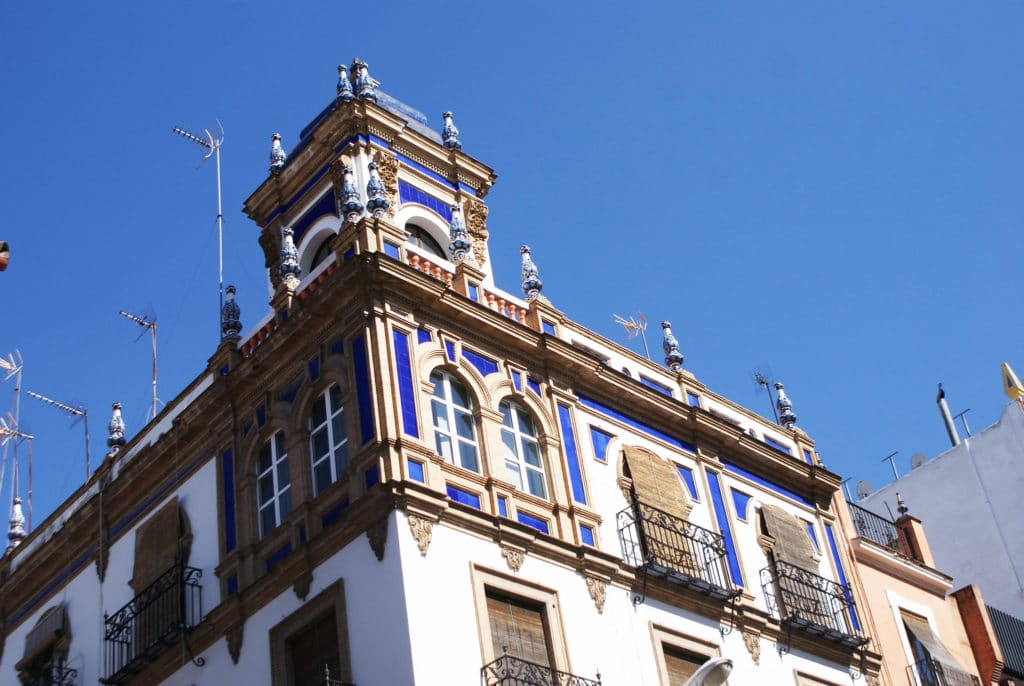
(511, 671)
(673, 548)
(153, 620)
(875, 528)
(811, 603)
(931, 672)
(54, 675)
(328, 680)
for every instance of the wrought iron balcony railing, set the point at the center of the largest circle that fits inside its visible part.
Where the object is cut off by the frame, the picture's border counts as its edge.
(875, 528)
(931, 672)
(811, 603)
(153, 620)
(673, 548)
(55, 675)
(511, 671)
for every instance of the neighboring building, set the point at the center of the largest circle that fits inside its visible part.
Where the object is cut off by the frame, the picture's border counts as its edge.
(404, 474)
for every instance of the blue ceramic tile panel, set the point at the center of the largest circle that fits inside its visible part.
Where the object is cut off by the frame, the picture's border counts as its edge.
(449, 350)
(314, 368)
(298, 195)
(429, 172)
(517, 381)
(247, 426)
(333, 514)
(284, 552)
(639, 426)
(842, 575)
(587, 535)
(474, 292)
(775, 444)
(808, 458)
(348, 254)
(538, 524)
(693, 399)
(406, 395)
(325, 206)
(261, 416)
(659, 387)
(691, 485)
(814, 536)
(423, 336)
(547, 327)
(725, 528)
(365, 402)
(483, 364)
(288, 394)
(225, 370)
(503, 506)
(338, 347)
(740, 501)
(228, 481)
(572, 457)
(371, 477)
(464, 497)
(770, 485)
(533, 386)
(600, 440)
(391, 250)
(302, 533)
(416, 471)
(233, 584)
(407, 193)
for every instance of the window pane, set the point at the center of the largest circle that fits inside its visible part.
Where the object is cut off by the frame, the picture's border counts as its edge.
(338, 428)
(264, 461)
(335, 398)
(266, 489)
(514, 476)
(465, 425)
(536, 480)
(340, 459)
(282, 474)
(318, 415)
(459, 395)
(444, 447)
(440, 416)
(508, 442)
(267, 519)
(506, 413)
(286, 503)
(322, 475)
(467, 456)
(438, 381)
(320, 446)
(531, 452)
(279, 444)
(526, 423)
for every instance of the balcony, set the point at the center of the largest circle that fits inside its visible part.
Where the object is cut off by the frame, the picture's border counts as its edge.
(155, 619)
(931, 672)
(875, 528)
(511, 671)
(811, 603)
(672, 548)
(55, 675)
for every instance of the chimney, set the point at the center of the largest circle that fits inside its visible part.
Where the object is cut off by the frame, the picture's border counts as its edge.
(947, 418)
(915, 543)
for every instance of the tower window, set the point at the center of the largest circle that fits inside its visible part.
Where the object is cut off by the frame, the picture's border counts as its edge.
(273, 484)
(523, 460)
(419, 237)
(454, 426)
(328, 442)
(321, 253)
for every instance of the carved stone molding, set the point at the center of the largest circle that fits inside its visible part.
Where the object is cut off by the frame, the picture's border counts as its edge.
(476, 225)
(753, 643)
(302, 584)
(387, 168)
(872, 680)
(234, 637)
(513, 556)
(422, 531)
(377, 536)
(598, 589)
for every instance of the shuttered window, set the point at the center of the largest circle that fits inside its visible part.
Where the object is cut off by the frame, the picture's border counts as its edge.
(680, 665)
(518, 627)
(314, 652)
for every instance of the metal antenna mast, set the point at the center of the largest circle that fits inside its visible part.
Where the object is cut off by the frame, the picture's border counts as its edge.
(74, 412)
(212, 147)
(762, 380)
(151, 325)
(892, 462)
(634, 327)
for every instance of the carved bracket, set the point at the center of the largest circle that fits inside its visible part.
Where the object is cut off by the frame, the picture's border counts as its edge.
(377, 536)
(422, 531)
(598, 589)
(752, 641)
(513, 556)
(233, 637)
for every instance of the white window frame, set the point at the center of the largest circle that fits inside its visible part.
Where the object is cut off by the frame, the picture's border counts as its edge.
(278, 456)
(517, 467)
(452, 412)
(335, 444)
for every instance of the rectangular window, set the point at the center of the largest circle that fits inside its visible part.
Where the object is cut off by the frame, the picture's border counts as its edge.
(587, 535)
(518, 628)
(680, 665)
(311, 645)
(600, 439)
(693, 399)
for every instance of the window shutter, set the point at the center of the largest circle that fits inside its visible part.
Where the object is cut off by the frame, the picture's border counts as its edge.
(160, 543)
(655, 482)
(919, 628)
(680, 665)
(792, 542)
(517, 628)
(314, 650)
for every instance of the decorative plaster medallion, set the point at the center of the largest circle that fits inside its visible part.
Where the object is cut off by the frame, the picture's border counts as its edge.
(513, 557)
(422, 531)
(598, 591)
(377, 536)
(753, 643)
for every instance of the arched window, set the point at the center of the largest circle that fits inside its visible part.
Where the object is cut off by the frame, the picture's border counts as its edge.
(328, 442)
(454, 428)
(522, 451)
(321, 253)
(273, 484)
(419, 237)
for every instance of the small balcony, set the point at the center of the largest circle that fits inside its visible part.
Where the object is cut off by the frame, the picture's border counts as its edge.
(674, 549)
(155, 619)
(931, 672)
(875, 528)
(811, 603)
(54, 675)
(512, 671)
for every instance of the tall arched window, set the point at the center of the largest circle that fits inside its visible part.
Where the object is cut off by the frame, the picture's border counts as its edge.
(321, 253)
(454, 428)
(523, 460)
(419, 237)
(273, 484)
(328, 442)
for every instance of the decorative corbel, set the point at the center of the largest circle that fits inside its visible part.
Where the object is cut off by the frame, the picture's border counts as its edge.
(377, 537)
(598, 589)
(752, 641)
(422, 531)
(513, 556)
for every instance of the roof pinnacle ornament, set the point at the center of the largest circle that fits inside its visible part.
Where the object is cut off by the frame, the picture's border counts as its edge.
(344, 86)
(115, 430)
(277, 155)
(230, 322)
(351, 208)
(377, 202)
(16, 529)
(460, 245)
(673, 358)
(362, 83)
(786, 416)
(532, 284)
(450, 134)
(901, 506)
(289, 268)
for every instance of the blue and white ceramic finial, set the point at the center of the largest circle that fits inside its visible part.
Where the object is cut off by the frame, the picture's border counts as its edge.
(901, 506)
(344, 85)
(376, 195)
(277, 155)
(450, 134)
(16, 530)
(364, 85)
(673, 358)
(532, 284)
(786, 416)
(289, 268)
(230, 316)
(115, 430)
(351, 208)
(460, 245)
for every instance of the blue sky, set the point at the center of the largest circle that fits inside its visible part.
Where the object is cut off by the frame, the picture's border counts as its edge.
(828, 192)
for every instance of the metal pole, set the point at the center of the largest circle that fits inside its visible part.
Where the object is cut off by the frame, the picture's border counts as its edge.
(220, 246)
(152, 328)
(892, 463)
(88, 466)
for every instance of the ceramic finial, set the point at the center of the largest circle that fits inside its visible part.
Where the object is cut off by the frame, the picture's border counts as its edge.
(364, 86)
(450, 134)
(344, 85)
(115, 430)
(289, 268)
(230, 321)
(376, 195)
(16, 529)
(532, 284)
(460, 245)
(277, 155)
(673, 358)
(786, 416)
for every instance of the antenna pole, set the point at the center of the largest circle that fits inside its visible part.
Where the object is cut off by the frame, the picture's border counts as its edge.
(74, 411)
(892, 462)
(761, 380)
(963, 420)
(846, 489)
(142, 321)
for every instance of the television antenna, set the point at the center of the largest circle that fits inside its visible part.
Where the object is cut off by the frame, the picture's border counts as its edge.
(212, 146)
(9, 434)
(764, 381)
(892, 462)
(12, 367)
(151, 325)
(79, 412)
(635, 326)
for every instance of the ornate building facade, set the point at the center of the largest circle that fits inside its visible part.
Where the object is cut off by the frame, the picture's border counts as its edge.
(406, 474)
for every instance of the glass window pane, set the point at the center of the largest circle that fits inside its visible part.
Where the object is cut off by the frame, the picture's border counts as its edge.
(459, 395)
(506, 413)
(286, 503)
(322, 475)
(508, 443)
(320, 446)
(467, 456)
(268, 519)
(513, 473)
(279, 444)
(340, 459)
(335, 398)
(531, 452)
(464, 423)
(526, 422)
(264, 460)
(444, 447)
(266, 489)
(536, 481)
(438, 381)
(318, 415)
(338, 428)
(440, 416)
(282, 474)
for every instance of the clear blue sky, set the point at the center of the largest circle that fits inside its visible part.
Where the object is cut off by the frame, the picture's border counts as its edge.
(828, 190)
